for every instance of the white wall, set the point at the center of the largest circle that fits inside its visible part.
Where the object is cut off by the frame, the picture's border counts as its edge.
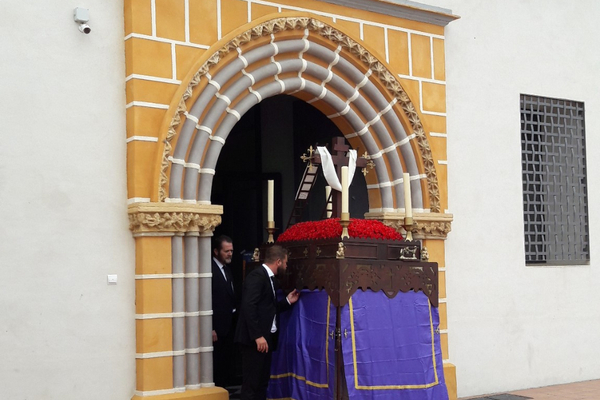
(512, 326)
(64, 333)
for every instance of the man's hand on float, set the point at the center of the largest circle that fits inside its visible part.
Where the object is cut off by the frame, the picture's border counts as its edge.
(293, 296)
(262, 345)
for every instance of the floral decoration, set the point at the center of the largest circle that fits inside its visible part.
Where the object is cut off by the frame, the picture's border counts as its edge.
(331, 228)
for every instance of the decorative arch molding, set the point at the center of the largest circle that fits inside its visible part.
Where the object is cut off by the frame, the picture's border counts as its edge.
(328, 69)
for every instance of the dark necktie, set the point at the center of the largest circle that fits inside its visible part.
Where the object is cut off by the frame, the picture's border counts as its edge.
(228, 277)
(273, 284)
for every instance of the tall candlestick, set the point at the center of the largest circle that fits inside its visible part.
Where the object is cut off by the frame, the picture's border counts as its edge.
(344, 189)
(270, 190)
(329, 204)
(407, 198)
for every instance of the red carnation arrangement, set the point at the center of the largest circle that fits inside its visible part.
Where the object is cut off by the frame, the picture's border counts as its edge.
(331, 228)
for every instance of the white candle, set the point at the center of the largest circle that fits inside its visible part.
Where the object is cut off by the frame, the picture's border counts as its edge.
(344, 189)
(407, 198)
(270, 190)
(329, 204)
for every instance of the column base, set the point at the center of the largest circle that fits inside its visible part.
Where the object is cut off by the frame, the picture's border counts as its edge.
(212, 393)
(450, 379)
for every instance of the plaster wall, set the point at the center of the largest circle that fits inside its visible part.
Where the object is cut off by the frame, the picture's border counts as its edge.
(64, 332)
(512, 326)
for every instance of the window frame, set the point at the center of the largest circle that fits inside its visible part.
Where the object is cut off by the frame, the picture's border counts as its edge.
(553, 159)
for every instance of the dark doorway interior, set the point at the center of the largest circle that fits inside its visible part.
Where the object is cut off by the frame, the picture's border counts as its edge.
(267, 144)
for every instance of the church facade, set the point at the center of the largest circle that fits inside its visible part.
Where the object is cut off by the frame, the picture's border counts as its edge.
(121, 176)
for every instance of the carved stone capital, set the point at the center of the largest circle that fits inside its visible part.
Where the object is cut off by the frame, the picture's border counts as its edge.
(172, 218)
(426, 225)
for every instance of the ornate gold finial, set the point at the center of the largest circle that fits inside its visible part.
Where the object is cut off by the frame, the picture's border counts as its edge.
(341, 251)
(271, 230)
(344, 222)
(408, 253)
(409, 225)
(370, 163)
(308, 158)
(256, 255)
(424, 254)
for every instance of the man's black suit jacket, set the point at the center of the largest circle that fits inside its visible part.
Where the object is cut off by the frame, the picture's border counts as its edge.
(259, 307)
(223, 300)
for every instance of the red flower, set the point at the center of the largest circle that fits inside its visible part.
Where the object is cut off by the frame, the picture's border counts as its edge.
(331, 228)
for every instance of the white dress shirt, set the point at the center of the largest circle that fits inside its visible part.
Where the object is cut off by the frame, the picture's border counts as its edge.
(271, 275)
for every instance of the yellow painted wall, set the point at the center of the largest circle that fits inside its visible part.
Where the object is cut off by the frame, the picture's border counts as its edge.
(162, 44)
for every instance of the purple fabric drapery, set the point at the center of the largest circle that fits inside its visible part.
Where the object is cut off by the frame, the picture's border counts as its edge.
(304, 363)
(391, 349)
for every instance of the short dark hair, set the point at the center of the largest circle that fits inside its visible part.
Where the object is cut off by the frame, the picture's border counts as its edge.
(218, 242)
(275, 253)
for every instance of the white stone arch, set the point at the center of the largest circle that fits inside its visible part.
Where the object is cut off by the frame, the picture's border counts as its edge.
(362, 92)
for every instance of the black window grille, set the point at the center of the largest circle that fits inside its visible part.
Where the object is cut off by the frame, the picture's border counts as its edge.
(555, 207)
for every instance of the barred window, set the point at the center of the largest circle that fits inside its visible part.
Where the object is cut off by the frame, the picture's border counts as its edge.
(555, 206)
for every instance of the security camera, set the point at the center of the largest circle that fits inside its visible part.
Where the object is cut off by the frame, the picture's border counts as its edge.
(85, 28)
(81, 16)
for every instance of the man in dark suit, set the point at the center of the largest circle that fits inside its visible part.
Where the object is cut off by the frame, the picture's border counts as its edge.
(257, 329)
(224, 312)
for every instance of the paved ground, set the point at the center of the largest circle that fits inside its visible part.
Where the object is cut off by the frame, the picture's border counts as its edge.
(588, 390)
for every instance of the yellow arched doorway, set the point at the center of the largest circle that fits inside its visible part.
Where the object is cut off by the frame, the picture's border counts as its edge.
(296, 54)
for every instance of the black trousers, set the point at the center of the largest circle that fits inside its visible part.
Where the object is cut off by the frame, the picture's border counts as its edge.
(256, 369)
(224, 361)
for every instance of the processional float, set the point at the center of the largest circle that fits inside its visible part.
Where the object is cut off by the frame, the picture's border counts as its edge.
(380, 342)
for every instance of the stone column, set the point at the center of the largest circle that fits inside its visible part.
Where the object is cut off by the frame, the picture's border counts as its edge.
(178, 311)
(205, 307)
(173, 299)
(192, 315)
